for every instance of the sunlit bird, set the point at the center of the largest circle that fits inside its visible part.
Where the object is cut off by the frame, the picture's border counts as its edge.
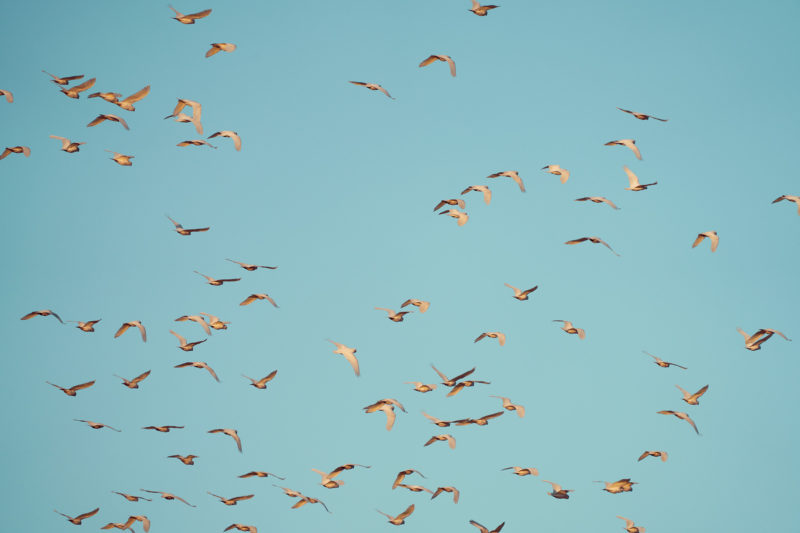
(628, 143)
(453, 490)
(127, 102)
(195, 318)
(462, 384)
(197, 112)
(461, 216)
(373, 87)
(237, 141)
(63, 80)
(787, 197)
(76, 90)
(594, 240)
(513, 174)
(415, 488)
(711, 235)
(43, 312)
(232, 501)
(451, 441)
(436, 421)
(133, 383)
(393, 316)
(9, 96)
(633, 181)
(617, 487)
(217, 282)
(437, 57)
(130, 497)
(520, 471)
(422, 305)
(199, 364)
(262, 383)
(348, 353)
(190, 18)
(402, 475)
(215, 322)
(642, 116)
(647, 453)
(220, 47)
(97, 425)
(24, 150)
(231, 433)
(81, 517)
(563, 173)
(188, 460)
(401, 518)
(186, 346)
(72, 391)
(386, 405)
(242, 527)
(484, 529)
(663, 364)
(508, 406)
(447, 382)
(68, 146)
(421, 387)
(168, 496)
(480, 10)
(132, 324)
(692, 399)
(111, 118)
(259, 473)
(196, 142)
(450, 201)
(260, 296)
(108, 97)
(183, 231)
(572, 330)
(482, 421)
(597, 200)
(121, 159)
(487, 194)
(629, 525)
(163, 429)
(682, 416)
(558, 493)
(521, 295)
(753, 342)
(501, 337)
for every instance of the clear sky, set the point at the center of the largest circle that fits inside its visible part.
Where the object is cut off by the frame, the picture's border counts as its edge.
(335, 185)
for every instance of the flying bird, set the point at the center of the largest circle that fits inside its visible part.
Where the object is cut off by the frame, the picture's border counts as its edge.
(648, 453)
(520, 471)
(597, 200)
(421, 304)
(682, 416)
(68, 146)
(453, 490)
(480, 10)
(74, 91)
(451, 441)
(436, 421)
(508, 406)
(462, 384)
(249, 267)
(617, 487)
(197, 112)
(127, 102)
(78, 519)
(633, 180)
(133, 383)
(435, 57)
(237, 141)
(711, 235)
(220, 47)
(186, 346)
(663, 364)
(217, 282)
(487, 194)
(513, 174)
(43, 312)
(242, 527)
(455, 213)
(501, 337)
(558, 171)
(189, 19)
(373, 87)
(594, 240)
(787, 197)
(199, 364)
(415, 488)
(133, 324)
(642, 116)
(402, 475)
(62, 80)
(168, 496)
(259, 473)
(692, 399)
(231, 433)
(130, 497)
(421, 387)
(72, 391)
(196, 142)
(163, 429)
(195, 318)
(262, 296)
(128, 523)
(628, 143)
(97, 425)
(521, 295)
(232, 501)
(348, 353)
(401, 518)
(629, 525)
(16, 150)
(215, 322)
(8, 95)
(451, 201)
(393, 316)
(262, 383)
(558, 493)
(452, 382)
(572, 330)
(185, 459)
(482, 421)
(753, 342)
(386, 405)
(183, 231)
(112, 118)
(108, 97)
(121, 159)
(486, 530)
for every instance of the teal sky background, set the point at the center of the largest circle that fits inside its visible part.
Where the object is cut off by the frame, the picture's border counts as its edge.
(335, 184)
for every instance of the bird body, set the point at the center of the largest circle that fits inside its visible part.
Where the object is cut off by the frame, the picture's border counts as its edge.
(111, 118)
(461, 216)
(507, 405)
(453, 490)
(558, 493)
(633, 181)
(401, 518)
(373, 87)
(199, 364)
(81, 517)
(134, 383)
(692, 399)
(642, 116)
(217, 282)
(393, 316)
(132, 324)
(593, 240)
(711, 235)
(682, 416)
(262, 296)
(513, 174)
(24, 150)
(487, 194)
(68, 146)
(451, 441)
(72, 391)
(558, 171)
(501, 337)
(127, 102)
(572, 330)
(661, 454)
(220, 47)
(753, 342)
(231, 433)
(422, 305)
(262, 383)
(43, 312)
(190, 18)
(348, 353)
(521, 295)
(237, 144)
(121, 159)
(74, 91)
(480, 10)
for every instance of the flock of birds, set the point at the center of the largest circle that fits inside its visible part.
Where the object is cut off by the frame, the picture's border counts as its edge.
(453, 207)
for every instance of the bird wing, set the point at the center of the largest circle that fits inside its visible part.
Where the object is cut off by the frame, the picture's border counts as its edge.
(452, 66)
(465, 374)
(96, 121)
(427, 61)
(351, 358)
(698, 240)
(479, 526)
(406, 513)
(556, 486)
(390, 416)
(242, 498)
(83, 86)
(632, 178)
(576, 241)
(482, 335)
(180, 339)
(138, 95)
(645, 454)
(184, 501)
(501, 337)
(211, 371)
(236, 438)
(122, 329)
(213, 50)
(86, 515)
(83, 386)
(8, 95)
(199, 14)
(609, 202)
(141, 330)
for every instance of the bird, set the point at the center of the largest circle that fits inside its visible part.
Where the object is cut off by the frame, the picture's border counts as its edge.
(97, 425)
(259, 473)
(451, 441)
(692, 399)
(682, 416)
(558, 171)
(422, 305)
(118, 525)
(68, 146)
(185, 459)
(402, 475)
(127, 102)
(572, 330)
(501, 337)
(189, 19)
(415, 488)
(16, 150)
(64, 80)
(617, 487)
(196, 142)
(78, 519)
(508, 406)
(452, 382)
(594, 240)
(460, 385)
(480, 10)
(197, 111)
(787, 197)
(262, 383)
(262, 296)
(753, 342)
(232, 501)
(401, 518)
(220, 47)
(168, 496)
(72, 391)
(43, 312)
(130, 497)
(217, 282)
(711, 235)
(183, 231)
(215, 322)
(386, 405)
(451, 201)
(629, 525)
(133, 324)
(303, 499)
(642, 116)
(487, 194)
(421, 387)
(75, 90)
(112, 118)
(186, 346)
(348, 353)
(648, 453)
(628, 143)
(128, 523)
(633, 181)
(373, 87)
(558, 492)
(199, 364)
(108, 97)
(440, 57)
(521, 295)
(663, 364)
(436, 421)
(485, 529)
(9, 96)
(121, 159)
(453, 490)
(597, 200)
(195, 318)
(134, 383)
(482, 421)
(520, 471)
(393, 316)
(513, 174)
(163, 429)
(327, 479)
(237, 143)
(455, 213)
(231, 433)
(242, 527)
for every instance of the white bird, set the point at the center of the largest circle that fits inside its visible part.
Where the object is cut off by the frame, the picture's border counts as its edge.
(231, 433)
(187, 346)
(692, 399)
(628, 143)
(450, 201)
(558, 171)
(569, 328)
(501, 337)
(436, 57)
(507, 405)
(127, 102)
(393, 316)
(422, 305)
(348, 353)
(787, 197)
(711, 235)
(597, 200)
(199, 364)
(197, 111)
(487, 194)
(648, 453)
(237, 141)
(633, 180)
(220, 47)
(196, 142)
(260, 296)
(558, 492)
(183, 231)
(67, 145)
(682, 416)
(663, 364)
(513, 174)
(401, 518)
(455, 213)
(373, 87)
(74, 91)
(195, 318)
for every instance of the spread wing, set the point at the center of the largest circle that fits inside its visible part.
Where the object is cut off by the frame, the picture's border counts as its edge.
(138, 95)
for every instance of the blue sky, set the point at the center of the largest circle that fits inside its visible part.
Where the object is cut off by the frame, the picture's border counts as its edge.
(335, 184)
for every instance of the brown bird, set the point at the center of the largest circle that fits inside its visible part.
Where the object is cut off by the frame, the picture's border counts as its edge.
(134, 383)
(242, 527)
(386, 405)
(327, 479)
(62, 80)
(189, 19)
(712, 236)
(262, 383)
(501, 337)
(215, 322)
(133, 324)
(237, 143)
(78, 519)
(663, 364)
(461, 216)
(633, 181)
(487, 194)
(642, 116)
(453, 490)
(199, 364)
(617, 487)
(130, 497)
(68, 146)
(451, 441)
(112, 118)
(108, 97)
(183, 231)
(168, 496)
(648, 453)
(259, 473)
(127, 102)
(348, 353)
(558, 492)
(437, 57)
(16, 150)
(692, 399)
(513, 174)
(572, 330)
(521, 295)
(197, 112)
(262, 296)
(415, 488)
(217, 282)
(482, 421)
(402, 475)
(507, 405)
(452, 382)
(185, 459)
(563, 173)
(594, 240)
(43, 312)
(629, 525)
(97, 425)
(520, 471)
(480, 10)
(486, 530)
(163, 429)
(373, 87)
(121, 159)
(232, 501)
(753, 342)
(8, 95)
(249, 267)
(421, 387)
(788, 198)
(220, 47)
(231, 433)
(682, 416)
(628, 143)
(72, 391)
(74, 91)
(85, 326)
(440, 423)
(422, 305)
(401, 518)
(462, 384)
(597, 200)
(196, 142)
(452, 201)
(195, 318)
(128, 523)
(303, 499)
(393, 316)
(186, 346)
